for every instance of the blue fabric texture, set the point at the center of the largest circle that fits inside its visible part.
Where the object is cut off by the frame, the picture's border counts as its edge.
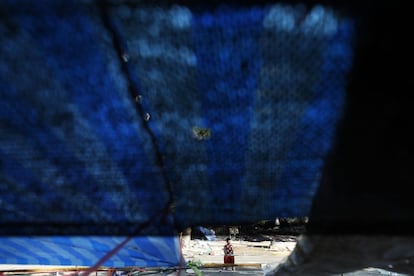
(144, 118)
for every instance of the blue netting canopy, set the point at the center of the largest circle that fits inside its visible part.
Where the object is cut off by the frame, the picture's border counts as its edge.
(116, 114)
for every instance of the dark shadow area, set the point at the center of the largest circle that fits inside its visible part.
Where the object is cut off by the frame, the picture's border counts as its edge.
(367, 179)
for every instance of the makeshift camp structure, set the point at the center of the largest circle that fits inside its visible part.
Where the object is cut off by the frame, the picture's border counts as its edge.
(123, 122)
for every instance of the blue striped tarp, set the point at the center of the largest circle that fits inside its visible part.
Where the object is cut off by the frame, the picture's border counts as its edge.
(87, 251)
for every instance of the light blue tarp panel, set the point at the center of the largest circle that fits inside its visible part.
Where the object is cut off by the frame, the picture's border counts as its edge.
(142, 118)
(87, 251)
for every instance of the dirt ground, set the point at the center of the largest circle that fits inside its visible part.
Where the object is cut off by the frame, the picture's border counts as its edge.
(260, 253)
(256, 255)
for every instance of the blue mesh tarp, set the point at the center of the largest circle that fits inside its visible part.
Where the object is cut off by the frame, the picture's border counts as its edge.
(265, 88)
(148, 117)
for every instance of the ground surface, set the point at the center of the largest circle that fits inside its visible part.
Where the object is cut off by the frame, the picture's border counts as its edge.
(254, 257)
(251, 257)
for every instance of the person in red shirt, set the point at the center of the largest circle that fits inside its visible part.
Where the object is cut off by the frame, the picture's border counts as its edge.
(228, 254)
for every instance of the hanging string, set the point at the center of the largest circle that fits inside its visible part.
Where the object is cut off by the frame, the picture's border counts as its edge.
(167, 210)
(133, 89)
(111, 253)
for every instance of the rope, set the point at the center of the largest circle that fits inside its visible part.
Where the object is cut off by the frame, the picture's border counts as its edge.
(132, 89)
